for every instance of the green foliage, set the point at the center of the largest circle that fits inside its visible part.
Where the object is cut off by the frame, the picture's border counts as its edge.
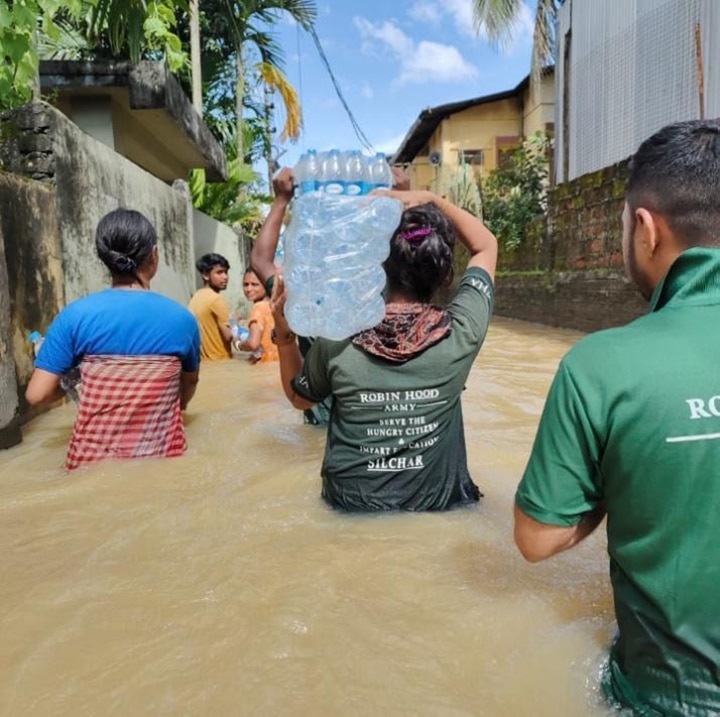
(461, 187)
(73, 29)
(514, 194)
(498, 19)
(234, 202)
(237, 40)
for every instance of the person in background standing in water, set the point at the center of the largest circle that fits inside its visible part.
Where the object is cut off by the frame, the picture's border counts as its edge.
(631, 430)
(260, 323)
(211, 309)
(395, 438)
(138, 351)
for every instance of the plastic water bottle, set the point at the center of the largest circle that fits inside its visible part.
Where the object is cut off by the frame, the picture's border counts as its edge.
(279, 258)
(299, 172)
(238, 331)
(380, 172)
(331, 171)
(36, 339)
(356, 174)
(311, 177)
(334, 249)
(307, 172)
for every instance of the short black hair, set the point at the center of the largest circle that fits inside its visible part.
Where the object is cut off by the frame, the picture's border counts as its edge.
(207, 261)
(676, 173)
(124, 238)
(421, 252)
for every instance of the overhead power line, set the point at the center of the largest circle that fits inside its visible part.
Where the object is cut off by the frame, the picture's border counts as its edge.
(356, 127)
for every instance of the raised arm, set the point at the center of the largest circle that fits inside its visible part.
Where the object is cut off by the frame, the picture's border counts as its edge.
(291, 360)
(477, 238)
(263, 252)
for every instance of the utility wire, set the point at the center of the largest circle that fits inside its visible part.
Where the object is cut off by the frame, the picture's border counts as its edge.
(356, 127)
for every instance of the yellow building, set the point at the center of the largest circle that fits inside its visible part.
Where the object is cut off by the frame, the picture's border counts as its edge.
(450, 144)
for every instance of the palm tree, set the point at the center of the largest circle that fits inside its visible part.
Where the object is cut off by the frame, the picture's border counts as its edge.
(136, 26)
(239, 27)
(115, 28)
(497, 17)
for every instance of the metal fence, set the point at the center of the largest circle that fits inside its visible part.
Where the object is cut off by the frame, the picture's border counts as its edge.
(624, 69)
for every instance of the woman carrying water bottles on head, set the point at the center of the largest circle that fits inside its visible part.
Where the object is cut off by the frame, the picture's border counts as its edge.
(395, 439)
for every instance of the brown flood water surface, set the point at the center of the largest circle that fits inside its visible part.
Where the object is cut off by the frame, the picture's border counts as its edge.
(220, 584)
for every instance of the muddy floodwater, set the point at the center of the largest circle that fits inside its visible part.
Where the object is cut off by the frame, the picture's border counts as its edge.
(220, 584)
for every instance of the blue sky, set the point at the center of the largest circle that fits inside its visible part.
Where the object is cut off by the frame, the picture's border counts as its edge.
(392, 59)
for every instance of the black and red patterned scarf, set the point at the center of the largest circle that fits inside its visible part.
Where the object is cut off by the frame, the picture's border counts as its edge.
(406, 331)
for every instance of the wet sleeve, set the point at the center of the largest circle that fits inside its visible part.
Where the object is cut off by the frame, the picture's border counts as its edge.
(313, 381)
(473, 304)
(57, 354)
(562, 479)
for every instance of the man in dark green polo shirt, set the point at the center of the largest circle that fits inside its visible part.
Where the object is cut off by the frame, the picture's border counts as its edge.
(631, 430)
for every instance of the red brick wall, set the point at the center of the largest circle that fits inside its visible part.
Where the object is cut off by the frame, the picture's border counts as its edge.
(569, 271)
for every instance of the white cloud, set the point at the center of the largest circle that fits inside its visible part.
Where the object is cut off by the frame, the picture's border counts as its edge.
(367, 91)
(425, 11)
(462, 15)
(433, 62)
(419, 62)
(391, 145)
(386, 32)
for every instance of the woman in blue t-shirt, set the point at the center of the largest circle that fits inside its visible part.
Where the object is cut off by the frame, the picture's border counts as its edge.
(138, 353)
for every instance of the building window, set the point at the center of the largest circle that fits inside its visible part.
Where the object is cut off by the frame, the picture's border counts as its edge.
(505, 146)
(473, 157)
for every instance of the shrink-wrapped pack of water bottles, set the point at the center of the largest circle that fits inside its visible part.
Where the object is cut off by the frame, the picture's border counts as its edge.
(349, 173)
(336, 242)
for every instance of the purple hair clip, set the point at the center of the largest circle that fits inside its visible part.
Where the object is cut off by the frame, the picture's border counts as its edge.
(414, 234)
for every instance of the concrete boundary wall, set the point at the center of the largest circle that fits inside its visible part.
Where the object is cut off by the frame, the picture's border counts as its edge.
(32, 260)
(56, 182)
(9, 415)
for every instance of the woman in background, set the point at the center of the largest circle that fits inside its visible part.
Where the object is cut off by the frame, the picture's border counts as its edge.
(138, 353)
(260, 323)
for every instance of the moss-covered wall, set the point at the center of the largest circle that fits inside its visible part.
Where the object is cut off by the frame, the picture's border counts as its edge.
(56, 182)
(569, 271)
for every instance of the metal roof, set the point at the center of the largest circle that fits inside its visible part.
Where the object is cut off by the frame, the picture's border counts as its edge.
(429, 120)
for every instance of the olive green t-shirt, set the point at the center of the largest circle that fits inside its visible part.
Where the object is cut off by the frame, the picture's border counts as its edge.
(633, 419)
(395, 438)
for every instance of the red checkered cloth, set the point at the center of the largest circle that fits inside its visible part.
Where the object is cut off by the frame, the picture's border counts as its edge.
(129, 408)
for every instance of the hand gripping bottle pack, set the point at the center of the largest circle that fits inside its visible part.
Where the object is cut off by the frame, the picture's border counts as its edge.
(334, 249)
